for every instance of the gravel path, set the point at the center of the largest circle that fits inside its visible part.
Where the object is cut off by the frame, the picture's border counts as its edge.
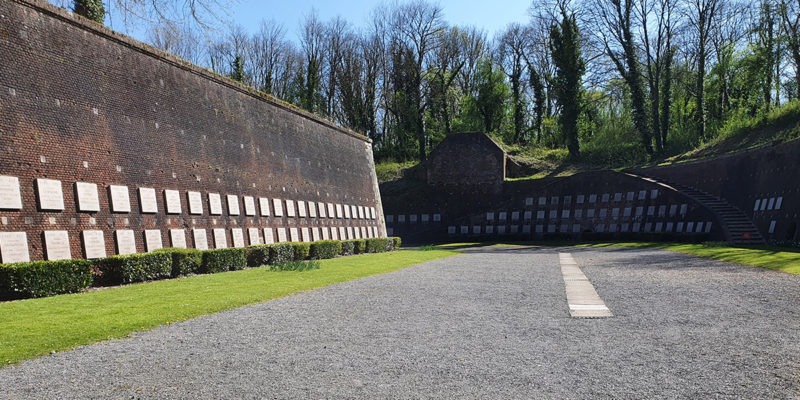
(491, 323)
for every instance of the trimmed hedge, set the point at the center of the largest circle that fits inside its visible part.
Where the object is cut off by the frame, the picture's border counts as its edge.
(360, 246)
(221, 260)
(258, 255)
(396, 242)
(130, 268)
(348, 247)
(301, 250)
(280, 253)
(379, 245)
(44, 278)
(184, 261)
(325, 249)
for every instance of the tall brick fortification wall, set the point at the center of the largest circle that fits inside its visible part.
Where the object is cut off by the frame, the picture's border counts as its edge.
(104, 118)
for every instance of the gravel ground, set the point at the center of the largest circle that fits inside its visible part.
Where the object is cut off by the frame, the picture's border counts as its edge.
(491, 323)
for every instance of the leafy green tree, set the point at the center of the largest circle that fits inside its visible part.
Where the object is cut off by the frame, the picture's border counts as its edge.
(91, 9)
(490, 103)
(565, 45)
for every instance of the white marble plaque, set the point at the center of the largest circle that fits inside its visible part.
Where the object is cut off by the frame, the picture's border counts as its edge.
(281, 234)
(312, 209)
(147, 200)
(269, 238)
(238, 237)
(339, 213)
(346, 211)
(249, 206)
(306, 235)
(372, 213)
(315, 235)
(331, 210)
(301, 209)
(326, 233)
(253, 236)
(290, 212)
(152, 239)
(322, 210)
(364, 232)
(51, 196)
(214, 204)
(88, 199)
(56, 244)
(120, 198)
(342, 233)
(354, 212)
(200, 239)
(14, 247)
(126, 242)
(220, 238)
(173, 200)
(334, 233)
(263, 205)
(350, 234)
(277, 206)
(177, 238)
(233, 204)
(10, 195)
(294, 235)
(94, 244)
(195, 203)
(374, 231)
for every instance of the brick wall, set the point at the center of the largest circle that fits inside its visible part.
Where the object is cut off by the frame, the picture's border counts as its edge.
(79, 103)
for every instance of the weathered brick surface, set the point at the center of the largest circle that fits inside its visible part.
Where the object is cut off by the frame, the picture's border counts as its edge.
(81, 103)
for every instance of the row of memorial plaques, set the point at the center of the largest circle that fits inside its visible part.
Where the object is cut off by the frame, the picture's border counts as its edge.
(649, 227)
(50, 197)
(14, 245)
(592, 198)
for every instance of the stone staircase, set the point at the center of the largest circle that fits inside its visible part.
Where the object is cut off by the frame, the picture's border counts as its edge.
(737, 227)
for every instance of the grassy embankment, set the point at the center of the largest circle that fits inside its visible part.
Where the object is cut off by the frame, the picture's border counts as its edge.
(31, 328)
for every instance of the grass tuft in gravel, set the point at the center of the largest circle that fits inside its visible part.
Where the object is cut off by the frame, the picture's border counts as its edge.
(35, 327)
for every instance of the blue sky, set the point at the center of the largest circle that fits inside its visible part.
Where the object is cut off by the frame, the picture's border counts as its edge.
(491, 16)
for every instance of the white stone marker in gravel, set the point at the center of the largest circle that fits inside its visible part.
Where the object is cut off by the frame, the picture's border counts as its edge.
(583, 300)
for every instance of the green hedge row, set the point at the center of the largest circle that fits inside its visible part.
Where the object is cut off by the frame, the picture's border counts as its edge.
(48, 278)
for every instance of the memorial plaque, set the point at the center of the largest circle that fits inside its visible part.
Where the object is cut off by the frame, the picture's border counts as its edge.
(529, 201)
(195, 203)
(147, 200)
(425, 218)
(316, 234)
(374, 231)
(372, 213)
(263, 205)
(412, 218)
(294, 235)
(331, 211)
(648, 226)
(326, 233)
(220, 239)
(350, 234)
(643, 195)
(673, 210)
(626, 226)
(306, 235)
(662, 211)
(668, 227)
(339, 213)
(233, 204)
(626, 212)
(354, 212)
(708, 227)
(771, 203)
(401, 218)
(679, 227)
(290, 210)
(200, 239)
(10, 195)
(322, 209)
(361, 212)
(281, 234)
(120, 199)
(778, 202)
(526, 229)
(659, 226)
(451, 230)
(126, 241)
(553, 214)
(94, 244)
(178, 238)
(312, 209)
(629, 196)
(515, 215)
(56, 244)
(214, 204)
(152, 239)
(539, 228)
(173, 200)
(390, 231)
(763, 204)
(579, 199)
(342, 233)
(605, 197)
(654, 194)
(590, 213)
(390, 219)
(437, 217)
(88, 199)
(301, 208)
(564, 213)
(592, 198)
(689, 227)
(14, 247)
(514, 229)
(277, 206)
(252, 234)
(578, 213)
(249, 206)
(51, 196)
(238, 237)
(269, 238)
(501, 230)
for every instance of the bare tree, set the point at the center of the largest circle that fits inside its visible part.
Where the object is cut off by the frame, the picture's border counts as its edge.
(312, 42)
(702, 16)
(269, 46)
(790, 18)
(180, 40)
(510, 55)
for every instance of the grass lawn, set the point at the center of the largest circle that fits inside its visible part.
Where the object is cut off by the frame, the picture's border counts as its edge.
(31, 328)
(774, 258)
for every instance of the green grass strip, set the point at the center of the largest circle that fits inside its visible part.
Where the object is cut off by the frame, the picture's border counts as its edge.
(773, 258)
(31, 328)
